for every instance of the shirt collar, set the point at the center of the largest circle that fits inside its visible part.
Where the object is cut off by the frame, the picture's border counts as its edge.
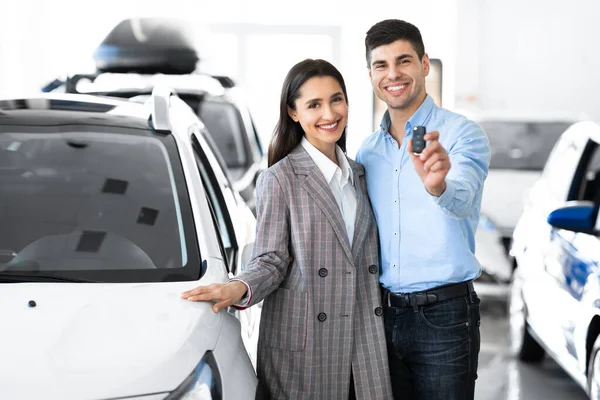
(325, 165)
(418, 118)
(422, 114)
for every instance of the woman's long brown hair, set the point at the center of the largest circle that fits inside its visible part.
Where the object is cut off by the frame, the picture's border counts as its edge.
(288, 134)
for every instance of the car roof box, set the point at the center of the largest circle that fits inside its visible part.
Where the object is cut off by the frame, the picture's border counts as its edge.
(148, 45)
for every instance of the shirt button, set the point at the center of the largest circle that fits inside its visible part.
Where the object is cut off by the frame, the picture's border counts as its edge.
(379, 311)
(322, 317)
(393, 265)
(395, 201)
(323, 272)
(396, 170)
(395, 233)
(373, 269)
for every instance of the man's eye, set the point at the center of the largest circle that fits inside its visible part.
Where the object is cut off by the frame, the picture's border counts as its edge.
(337, 99)
(403, 62)
(380, 66)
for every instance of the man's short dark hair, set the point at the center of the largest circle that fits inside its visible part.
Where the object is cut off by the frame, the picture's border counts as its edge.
(390, 30)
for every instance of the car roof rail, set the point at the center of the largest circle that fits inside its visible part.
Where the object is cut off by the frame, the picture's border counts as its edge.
(225, 81)
(72, 81)
(161, 100)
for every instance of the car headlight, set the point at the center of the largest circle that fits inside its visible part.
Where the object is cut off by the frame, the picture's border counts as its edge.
(204, 383)
(486, 224)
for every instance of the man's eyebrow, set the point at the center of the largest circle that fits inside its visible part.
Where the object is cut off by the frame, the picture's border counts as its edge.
(403, 56)
(399, 58)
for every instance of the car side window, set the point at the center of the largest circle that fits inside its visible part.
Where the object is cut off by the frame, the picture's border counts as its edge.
(224, 124)
(217, 197)
(560, 168)
(587, 180)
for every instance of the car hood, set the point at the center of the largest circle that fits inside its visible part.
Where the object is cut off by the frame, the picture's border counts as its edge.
(100, 341)
(503, 194)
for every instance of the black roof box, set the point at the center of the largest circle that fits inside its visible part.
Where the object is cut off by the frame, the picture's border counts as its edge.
(148, 45)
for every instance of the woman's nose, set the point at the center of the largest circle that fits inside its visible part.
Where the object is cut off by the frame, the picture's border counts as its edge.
(328, 113)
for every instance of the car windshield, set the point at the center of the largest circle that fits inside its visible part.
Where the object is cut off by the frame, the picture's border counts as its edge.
(224, 125)
(522, 145)
(105, 206)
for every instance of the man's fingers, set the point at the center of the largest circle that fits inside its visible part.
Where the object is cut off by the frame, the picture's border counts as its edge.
(433, 135)
(434, 158)
(431, 148)
(441, 165)
(438, 166)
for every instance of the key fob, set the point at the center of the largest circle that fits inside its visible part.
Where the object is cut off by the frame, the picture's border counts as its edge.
(418, 139)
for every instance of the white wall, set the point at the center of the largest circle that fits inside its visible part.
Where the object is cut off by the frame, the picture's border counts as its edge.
(42, 40)
(535, 54)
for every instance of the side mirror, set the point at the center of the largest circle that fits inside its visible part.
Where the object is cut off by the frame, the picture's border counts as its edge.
(576, 216)
(246, 255)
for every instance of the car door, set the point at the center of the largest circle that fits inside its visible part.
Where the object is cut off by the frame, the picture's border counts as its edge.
(225, 209)
(542, 279)
(573, 257)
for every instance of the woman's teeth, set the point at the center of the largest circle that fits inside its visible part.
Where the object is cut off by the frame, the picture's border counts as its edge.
(331, 126)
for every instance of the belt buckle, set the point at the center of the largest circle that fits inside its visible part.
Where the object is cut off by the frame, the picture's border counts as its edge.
(421, 299)
(431, 298)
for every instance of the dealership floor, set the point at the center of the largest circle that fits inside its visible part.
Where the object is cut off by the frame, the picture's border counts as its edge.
(502, 377)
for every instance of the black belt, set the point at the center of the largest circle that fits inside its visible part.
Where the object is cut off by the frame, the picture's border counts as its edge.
(430, 296)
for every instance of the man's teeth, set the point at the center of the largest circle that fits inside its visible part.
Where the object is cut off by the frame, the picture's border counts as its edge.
(329, 126)
(394, 88)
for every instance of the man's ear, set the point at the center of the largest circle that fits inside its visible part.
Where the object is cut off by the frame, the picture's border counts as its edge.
(426, 64)
(292, 114)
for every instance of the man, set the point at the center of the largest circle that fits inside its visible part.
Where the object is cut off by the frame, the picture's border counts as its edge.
(427, 208)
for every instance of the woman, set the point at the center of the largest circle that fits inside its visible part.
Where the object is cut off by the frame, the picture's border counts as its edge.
(315, 259)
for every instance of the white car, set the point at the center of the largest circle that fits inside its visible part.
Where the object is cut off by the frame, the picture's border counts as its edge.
(520, 143)
(520, 146)
(109, 209)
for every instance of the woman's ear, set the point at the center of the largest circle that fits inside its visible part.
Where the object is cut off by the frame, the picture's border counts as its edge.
(292, 113)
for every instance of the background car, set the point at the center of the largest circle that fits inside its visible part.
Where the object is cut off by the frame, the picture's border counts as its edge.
(139, 54)
(520, 144)
(555, 295)
(109, 210)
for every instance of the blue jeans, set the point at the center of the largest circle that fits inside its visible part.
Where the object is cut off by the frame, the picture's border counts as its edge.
(433, 349)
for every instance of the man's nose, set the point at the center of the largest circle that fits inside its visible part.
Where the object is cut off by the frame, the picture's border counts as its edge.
(393, 73)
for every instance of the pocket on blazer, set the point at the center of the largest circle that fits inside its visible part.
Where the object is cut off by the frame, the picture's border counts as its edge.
(284, 315)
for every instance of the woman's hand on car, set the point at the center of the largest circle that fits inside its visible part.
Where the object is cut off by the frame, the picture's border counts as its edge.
(223, 294)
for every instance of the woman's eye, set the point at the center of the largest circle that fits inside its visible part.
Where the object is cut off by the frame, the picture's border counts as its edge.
(337, 99)
(313, 105)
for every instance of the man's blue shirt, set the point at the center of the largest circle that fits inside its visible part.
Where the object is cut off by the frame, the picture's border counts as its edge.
(426, 241)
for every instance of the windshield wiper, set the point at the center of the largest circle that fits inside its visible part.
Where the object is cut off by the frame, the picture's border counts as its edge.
(8, 277)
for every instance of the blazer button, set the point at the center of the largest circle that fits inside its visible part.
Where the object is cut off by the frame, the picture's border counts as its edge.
(373, 269)
(379, 311)
(323, 272)
(322, 316)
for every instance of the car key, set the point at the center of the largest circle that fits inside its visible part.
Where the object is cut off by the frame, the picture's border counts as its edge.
(418, 139)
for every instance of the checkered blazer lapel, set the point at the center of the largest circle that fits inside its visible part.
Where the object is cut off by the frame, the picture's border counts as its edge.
(316, 186)
(363, 210)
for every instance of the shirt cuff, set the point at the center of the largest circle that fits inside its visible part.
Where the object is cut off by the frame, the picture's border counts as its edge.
(243, 304)
(445, 198)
